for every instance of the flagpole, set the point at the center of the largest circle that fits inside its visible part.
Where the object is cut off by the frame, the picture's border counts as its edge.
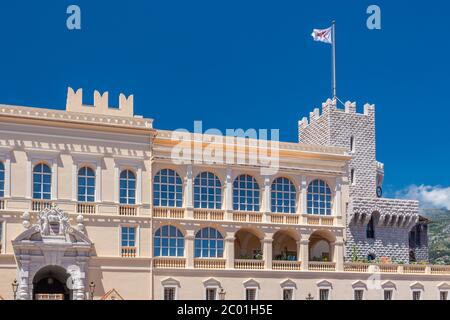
(333, 49)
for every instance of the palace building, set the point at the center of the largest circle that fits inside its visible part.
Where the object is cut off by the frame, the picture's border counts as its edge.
(96, 203)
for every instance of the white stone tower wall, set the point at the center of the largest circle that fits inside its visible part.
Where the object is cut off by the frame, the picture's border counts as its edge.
(336, 127)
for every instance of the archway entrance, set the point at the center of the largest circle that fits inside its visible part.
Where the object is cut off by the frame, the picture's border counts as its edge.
(50, 283)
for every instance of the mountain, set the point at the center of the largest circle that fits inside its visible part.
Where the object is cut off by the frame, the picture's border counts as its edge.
(438, 235)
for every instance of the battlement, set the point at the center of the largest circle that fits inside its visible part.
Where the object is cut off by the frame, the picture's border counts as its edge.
(101, 104)
(330, 106)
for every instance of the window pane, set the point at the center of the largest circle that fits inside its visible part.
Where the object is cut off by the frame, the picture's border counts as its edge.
(166, 182)
(246, 193)
(171, 240)
(319, 198)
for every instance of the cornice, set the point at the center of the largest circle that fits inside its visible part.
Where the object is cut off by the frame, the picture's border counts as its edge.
(165, 138)
(74, 117)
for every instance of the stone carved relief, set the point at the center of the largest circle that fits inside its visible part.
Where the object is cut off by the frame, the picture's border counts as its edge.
(53, 221)
(45, 243)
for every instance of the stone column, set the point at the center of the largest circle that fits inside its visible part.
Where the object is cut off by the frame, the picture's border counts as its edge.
(266, 244)
(303, 194)
(29, 177)
(228, 205)
(304, 253)
(188, 192)
(8, 176)
(266, 200)
(78, 282)
(229, 250)
(338, 250)
(338, 200)
(54, 189)
(116, 183)
(74, 180)
(98, 182)
(25, 289)
(139, 186)
(189, 247)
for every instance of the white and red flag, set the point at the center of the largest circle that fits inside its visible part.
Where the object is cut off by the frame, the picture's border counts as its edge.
(323, 35)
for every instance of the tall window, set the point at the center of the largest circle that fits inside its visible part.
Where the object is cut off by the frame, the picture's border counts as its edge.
(2, 180)
(86, 185)
(288, 294)
(283, 196)
(443, 295)
(416, 295)
(42, 182)
(207, 191)
(208, 243)
(169, 293)
(167, 189)
(127, 187)
(352, 176)
(324, 294)
(245, 193)
(358, 294)
(388, 294)
(319, 198)
(169, 242)
(250, 294)
(370, 229)
(128, 236)
(211, 293)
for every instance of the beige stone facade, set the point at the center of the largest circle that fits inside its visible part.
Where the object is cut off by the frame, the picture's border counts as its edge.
(95, 194)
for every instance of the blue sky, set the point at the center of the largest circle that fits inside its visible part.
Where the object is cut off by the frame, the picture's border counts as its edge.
(244, 64)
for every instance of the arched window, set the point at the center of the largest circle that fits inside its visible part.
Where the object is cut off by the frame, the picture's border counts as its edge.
(207, 191)
(167, 189)
(319, 198)
(283, 196)
(127, 187)
(42, 182)
(208, 243)
(245, 193)
(2, 180)
(86, 185)
(370, 229)
(168, 242)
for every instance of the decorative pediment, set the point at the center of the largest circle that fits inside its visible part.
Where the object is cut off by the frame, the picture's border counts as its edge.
(417, 286)
(53, 227)
(112, 295)
(359, 285)
(171, 282)
(288, 283)
(251, 283)
(324, 284)
(388, 285)
(211, 282)
(444, 286)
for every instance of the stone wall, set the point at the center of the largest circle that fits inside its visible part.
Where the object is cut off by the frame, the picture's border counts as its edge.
(395, 218)
(336, 127)
(392, 219)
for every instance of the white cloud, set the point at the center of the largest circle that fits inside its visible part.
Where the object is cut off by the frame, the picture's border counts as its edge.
(429, 196)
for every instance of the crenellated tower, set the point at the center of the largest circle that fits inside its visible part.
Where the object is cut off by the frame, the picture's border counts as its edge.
(352, 130)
